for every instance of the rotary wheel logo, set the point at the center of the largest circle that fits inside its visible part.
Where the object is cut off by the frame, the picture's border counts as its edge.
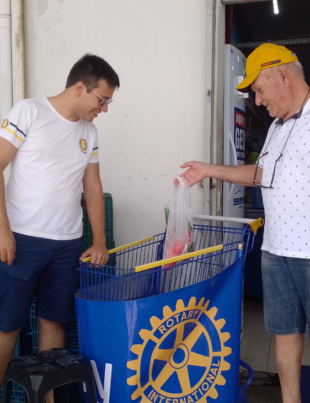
(83, 144)
(182, 358)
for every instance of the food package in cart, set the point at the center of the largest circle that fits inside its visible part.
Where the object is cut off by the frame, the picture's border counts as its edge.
(179, 218)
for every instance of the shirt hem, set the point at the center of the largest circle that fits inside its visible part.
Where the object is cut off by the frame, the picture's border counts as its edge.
(55, 237)
(286, 253)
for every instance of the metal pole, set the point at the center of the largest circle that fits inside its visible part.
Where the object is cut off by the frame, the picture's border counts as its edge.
(229, 219)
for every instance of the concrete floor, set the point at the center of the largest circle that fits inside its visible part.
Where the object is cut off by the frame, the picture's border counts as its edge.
(257, 349)
(263, 394)
(265, 387)
(257, 346)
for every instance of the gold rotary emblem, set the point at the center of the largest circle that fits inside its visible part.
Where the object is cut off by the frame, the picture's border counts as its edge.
(83, 144)
(182, 358)
(5, 123)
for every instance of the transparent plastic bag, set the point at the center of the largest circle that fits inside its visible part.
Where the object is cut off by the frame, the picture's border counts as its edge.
(179, 234)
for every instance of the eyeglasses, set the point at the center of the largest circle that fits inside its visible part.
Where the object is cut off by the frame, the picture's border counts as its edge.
(273, 173)
(295, 117)
(103, 101)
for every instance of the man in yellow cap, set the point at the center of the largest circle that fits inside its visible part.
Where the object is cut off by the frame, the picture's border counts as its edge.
(283, 172)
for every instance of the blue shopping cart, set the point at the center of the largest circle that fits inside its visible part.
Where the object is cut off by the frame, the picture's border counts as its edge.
(154, 332)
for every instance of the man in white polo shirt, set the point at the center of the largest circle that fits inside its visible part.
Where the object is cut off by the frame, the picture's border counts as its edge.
(53, 146)
(283, 172)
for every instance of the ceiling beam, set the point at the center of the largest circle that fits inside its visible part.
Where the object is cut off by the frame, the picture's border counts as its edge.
(241, 1)
(283, 42)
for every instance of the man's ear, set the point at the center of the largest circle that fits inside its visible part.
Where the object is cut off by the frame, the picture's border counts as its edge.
(79, 88)
(283, 75)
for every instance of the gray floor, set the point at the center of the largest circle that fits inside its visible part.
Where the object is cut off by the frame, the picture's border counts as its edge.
(263, 394)
(257, 349)
(257, 346)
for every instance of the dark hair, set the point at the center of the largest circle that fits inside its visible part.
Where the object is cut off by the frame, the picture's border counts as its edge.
(90, 69)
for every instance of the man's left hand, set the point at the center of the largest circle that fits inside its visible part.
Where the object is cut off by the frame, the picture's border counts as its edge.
(98, 252)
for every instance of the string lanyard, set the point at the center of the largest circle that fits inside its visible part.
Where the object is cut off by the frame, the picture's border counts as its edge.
(297, 115)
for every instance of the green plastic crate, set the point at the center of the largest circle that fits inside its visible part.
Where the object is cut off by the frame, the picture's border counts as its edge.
(108, 222)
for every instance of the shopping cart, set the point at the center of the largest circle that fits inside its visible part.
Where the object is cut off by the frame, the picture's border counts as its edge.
(138, 272)
(166, 330)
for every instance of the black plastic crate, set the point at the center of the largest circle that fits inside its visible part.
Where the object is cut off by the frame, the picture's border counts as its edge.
(76, 394)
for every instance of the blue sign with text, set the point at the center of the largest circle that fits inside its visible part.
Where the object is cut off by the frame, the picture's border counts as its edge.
(239, 131)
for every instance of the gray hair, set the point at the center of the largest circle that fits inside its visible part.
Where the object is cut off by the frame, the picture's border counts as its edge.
(296, 69)
(293, 68)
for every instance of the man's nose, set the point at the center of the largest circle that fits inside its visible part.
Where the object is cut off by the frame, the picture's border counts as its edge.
(104, 108)
(258, 99)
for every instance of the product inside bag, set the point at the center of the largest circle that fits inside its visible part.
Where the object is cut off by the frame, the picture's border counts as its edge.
(179, 218)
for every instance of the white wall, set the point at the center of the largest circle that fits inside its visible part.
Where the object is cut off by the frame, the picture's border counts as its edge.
(158, 48)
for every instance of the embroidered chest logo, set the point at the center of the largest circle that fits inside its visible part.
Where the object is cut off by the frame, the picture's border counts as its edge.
(83, 145)
(5, 123)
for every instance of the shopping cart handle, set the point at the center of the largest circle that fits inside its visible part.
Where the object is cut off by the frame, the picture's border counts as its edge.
(178, 258)
(256, 224)
(253, 223)
(129, 245)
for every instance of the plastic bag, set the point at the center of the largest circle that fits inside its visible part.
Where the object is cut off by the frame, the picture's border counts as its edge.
(179, 214)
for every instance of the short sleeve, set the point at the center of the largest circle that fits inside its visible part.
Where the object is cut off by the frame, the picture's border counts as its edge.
(15, 126)
(94, 158)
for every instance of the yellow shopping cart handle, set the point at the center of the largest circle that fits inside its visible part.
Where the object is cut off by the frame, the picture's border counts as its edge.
(256, 224)
(129, 245)
(178, 258)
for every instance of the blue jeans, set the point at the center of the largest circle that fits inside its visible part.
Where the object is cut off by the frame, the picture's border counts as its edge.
(42, 267)
(286, 283)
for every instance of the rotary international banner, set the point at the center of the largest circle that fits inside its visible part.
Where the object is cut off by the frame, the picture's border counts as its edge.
(178, 347)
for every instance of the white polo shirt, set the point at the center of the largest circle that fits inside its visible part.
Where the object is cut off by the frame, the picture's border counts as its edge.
(43, 194)
(287, 205)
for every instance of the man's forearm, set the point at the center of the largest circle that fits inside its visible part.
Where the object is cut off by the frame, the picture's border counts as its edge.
(241, 175)
(4, 221)
(95, 210)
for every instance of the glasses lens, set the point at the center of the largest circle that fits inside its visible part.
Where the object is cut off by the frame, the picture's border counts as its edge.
(106, 101)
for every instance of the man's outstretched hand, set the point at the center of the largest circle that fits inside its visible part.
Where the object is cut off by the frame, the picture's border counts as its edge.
(196, 172)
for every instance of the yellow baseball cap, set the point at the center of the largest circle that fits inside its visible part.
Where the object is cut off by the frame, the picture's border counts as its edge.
(263, 57)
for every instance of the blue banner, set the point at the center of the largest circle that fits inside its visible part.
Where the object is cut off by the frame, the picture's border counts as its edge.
(239, 130)
(178, 347)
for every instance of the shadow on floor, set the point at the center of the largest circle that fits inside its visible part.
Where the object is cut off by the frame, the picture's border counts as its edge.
(263, 394)
(265, 387)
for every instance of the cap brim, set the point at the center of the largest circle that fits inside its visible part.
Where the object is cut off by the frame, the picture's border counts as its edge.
(245, 85)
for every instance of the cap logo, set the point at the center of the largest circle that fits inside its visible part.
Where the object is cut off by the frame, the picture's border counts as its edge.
(271, 63)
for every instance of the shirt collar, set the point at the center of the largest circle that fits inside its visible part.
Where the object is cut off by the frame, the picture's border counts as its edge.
(295, 116)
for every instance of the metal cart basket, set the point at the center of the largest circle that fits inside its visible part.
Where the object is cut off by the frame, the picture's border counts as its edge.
(137, 270)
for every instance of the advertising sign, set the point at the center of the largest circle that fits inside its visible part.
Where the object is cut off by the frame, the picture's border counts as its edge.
(239, 127)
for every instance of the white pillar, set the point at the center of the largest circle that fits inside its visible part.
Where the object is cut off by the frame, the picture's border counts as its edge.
(6, 97)
(18, 51)
(6, 58)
